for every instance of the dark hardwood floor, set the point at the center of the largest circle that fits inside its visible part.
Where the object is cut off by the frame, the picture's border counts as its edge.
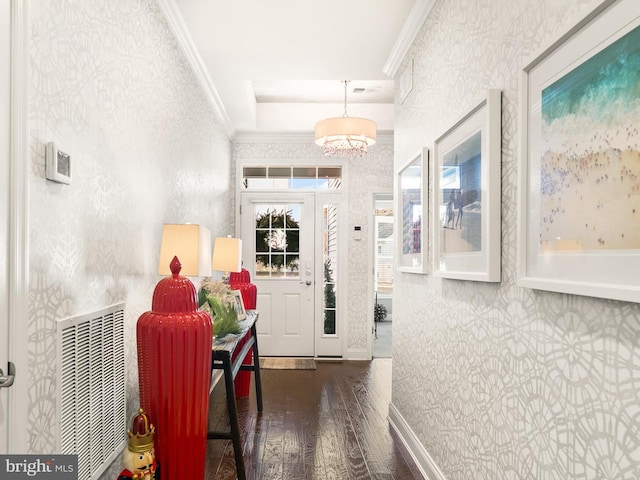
(328, 423)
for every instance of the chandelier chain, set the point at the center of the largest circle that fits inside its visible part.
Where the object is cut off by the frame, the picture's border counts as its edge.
(345, 97)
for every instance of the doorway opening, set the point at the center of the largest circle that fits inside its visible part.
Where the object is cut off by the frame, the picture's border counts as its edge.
(384, 247)
(292, 223)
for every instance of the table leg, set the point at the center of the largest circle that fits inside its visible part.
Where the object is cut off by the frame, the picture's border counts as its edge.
(233, 419)
(256, 369)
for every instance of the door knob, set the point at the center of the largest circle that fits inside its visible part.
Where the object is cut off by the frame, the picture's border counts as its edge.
(308, 282)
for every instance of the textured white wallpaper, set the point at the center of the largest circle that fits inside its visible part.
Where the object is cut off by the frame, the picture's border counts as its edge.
(374, 172)
(497, 381)
(109, 85)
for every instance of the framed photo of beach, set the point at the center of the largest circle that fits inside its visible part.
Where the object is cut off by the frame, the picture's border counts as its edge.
(413, 214)
(579, 212)
(466, 195)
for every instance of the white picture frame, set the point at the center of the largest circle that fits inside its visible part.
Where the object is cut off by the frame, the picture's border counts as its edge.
(239, 305)
(413, 214)
(579, 184)
(406, 81)
(466, 195)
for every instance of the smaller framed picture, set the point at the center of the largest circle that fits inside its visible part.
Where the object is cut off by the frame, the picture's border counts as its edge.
(413, 212)
(237, 296)
(466, 195)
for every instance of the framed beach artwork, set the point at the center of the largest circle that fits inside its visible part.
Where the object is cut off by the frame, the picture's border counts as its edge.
(413, 181)
(580, 177)
(466, 198)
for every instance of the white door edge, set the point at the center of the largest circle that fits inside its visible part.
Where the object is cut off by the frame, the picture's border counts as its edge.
(19, 227)
(370, 268)
(371, 265)
(5, 153)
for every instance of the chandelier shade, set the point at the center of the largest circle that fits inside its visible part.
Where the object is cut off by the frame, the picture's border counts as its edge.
(345, 136)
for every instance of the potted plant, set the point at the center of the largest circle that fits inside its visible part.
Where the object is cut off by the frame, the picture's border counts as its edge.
(379, 312)
(217, 299)
(225, 317)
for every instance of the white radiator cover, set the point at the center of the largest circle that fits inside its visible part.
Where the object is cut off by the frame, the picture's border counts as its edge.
(91, 389)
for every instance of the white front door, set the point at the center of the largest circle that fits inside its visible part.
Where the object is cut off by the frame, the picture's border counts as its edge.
(278, 231)
(5, 114)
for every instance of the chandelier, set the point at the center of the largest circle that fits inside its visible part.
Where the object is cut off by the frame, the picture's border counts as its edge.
(345, 136)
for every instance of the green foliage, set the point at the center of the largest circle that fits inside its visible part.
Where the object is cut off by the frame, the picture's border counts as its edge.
(217, 300)
(270, 222)
(224, 317)
(329, 286)
(202, 297)
(329, 298)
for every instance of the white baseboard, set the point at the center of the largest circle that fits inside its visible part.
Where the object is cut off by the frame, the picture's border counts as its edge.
(419, 454)
(358, 354)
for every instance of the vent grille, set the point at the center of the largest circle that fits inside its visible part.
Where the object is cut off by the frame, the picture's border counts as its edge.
(91, 389)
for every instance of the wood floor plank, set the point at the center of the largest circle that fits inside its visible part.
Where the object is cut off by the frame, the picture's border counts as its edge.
(356, 465)
(328, 423)
(372, 428)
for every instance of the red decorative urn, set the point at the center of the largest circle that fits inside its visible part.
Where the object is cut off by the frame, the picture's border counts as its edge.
(174, 368)
(242, 281)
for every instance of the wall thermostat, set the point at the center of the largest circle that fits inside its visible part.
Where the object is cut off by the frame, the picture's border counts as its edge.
(357, 232)
(57, 165)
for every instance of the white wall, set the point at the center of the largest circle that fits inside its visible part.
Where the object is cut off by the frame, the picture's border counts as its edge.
(109, 85)
(497, 381)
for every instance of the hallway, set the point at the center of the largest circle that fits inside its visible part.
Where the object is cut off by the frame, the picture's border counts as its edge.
(329, 423)
(382, 343)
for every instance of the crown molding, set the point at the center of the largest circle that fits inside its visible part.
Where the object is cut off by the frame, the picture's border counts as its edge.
(412, 25)
(383, 137)
(274, 137)
(176, 24)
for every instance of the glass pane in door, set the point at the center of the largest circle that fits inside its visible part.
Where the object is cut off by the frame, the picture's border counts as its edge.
(277, 248)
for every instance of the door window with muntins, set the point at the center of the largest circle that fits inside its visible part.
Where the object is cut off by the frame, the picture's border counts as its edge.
(277, 240)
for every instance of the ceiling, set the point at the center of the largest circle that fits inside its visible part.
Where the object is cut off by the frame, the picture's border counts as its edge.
(278, 65)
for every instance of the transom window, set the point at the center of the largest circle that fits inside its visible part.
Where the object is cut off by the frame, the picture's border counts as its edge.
(292, 178)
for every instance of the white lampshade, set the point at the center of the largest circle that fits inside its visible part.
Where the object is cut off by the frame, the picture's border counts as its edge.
(191, 244)
(343, 128)
(227, 254)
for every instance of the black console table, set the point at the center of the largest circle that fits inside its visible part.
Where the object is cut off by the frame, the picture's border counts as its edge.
(224, 357)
